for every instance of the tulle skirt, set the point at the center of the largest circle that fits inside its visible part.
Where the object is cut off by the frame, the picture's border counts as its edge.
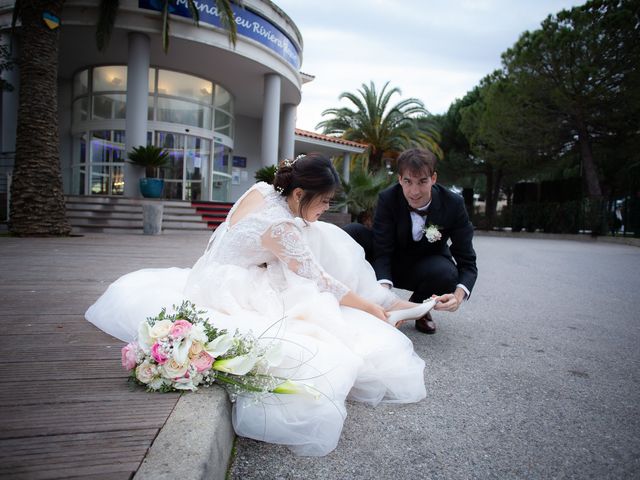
(340, 352)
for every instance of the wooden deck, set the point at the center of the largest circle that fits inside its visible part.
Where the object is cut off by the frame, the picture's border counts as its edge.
(66, 407)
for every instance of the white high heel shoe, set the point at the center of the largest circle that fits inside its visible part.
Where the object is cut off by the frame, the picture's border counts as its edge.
(412, 313)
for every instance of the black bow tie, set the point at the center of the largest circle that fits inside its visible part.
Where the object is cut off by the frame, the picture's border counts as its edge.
(422, 213)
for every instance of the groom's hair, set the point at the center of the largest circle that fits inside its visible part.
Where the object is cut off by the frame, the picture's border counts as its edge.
(417, 161)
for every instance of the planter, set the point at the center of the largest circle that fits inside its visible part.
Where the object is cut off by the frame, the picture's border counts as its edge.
(152, 218)
(151, 187)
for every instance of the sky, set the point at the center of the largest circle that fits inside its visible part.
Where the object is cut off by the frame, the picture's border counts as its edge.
(433, 50)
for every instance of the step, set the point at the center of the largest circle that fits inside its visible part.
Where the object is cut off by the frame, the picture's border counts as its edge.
(110, 228)
(111, 200)
(103, 207)
(214, 218)
(108, 215)
(112, 214)
(212, 209)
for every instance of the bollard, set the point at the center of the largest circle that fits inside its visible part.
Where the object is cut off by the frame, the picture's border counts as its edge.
(152, 218)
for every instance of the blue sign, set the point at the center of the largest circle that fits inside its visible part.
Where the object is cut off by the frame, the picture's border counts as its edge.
(249, 24)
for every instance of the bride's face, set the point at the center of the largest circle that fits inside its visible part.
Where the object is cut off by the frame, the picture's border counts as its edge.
(317, 207)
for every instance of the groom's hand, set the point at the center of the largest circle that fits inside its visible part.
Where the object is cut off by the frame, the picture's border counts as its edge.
(450, 302)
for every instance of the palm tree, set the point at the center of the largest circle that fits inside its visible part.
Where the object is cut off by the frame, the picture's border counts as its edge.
(37, 199)
(360, 194)
(386, 128)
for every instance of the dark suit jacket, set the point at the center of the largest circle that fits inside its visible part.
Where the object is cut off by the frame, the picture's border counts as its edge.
(392, 236)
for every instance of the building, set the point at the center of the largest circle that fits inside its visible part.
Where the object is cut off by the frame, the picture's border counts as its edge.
(222, 112)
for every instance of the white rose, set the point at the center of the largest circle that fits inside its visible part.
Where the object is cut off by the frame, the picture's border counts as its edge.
(196, 348)
(145, 372)
(173, 369)
(161, 329)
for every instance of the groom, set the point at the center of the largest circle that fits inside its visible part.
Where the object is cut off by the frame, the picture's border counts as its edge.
(408, 246)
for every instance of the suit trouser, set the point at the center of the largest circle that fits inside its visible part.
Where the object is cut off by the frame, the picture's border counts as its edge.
(424, 276)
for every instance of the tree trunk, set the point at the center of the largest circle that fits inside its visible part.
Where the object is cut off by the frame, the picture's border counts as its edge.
(492, 202)
(37, 201)
(589, 169)
(489, 201)
(375, 159)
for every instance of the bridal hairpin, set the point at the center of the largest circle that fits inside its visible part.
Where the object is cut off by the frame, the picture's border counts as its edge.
(289, 163)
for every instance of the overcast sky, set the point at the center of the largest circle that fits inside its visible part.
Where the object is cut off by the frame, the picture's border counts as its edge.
(433, 50)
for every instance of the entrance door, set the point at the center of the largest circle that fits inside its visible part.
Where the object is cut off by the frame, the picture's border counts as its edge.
(189, 157)
(107, 161)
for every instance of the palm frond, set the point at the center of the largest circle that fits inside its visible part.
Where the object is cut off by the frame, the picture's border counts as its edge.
(374, 120)
(107, 12)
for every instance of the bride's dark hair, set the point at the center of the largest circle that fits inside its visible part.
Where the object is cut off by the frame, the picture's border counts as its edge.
(313, 173)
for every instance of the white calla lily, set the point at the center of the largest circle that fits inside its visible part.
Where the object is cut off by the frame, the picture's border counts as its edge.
(219, 345)
(144, 337)
(294, 388)
(240, 365)
(181, 351)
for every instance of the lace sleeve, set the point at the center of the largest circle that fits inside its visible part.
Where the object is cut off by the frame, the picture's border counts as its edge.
(286, 242)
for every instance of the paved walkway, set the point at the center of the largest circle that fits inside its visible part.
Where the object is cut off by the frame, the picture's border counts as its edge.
(537, 377)
(66, 407)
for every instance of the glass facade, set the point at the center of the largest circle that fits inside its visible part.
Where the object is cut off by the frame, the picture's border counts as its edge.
(178, 103)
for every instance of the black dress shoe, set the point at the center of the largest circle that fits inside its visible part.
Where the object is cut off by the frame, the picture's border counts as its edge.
(426, 324)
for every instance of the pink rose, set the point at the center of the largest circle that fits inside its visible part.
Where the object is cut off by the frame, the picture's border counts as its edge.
(180, 329)
(202, 362)
(158, 354)
(129, 356)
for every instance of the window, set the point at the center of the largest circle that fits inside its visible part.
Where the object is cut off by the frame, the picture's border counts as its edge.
(177, 103)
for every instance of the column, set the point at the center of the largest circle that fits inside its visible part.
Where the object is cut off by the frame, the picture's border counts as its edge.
(346, 174)
(346, 164)
(137, 101)
(287, 131)
(270, 119)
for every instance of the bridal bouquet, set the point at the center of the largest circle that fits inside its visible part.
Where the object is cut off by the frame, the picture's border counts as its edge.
(182, 350)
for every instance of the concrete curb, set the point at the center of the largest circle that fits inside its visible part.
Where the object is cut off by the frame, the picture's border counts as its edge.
(195, 442)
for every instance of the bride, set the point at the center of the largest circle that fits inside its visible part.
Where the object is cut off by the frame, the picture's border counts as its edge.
(272, 268)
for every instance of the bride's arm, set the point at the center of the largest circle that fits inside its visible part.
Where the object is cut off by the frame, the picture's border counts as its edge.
(285, 240)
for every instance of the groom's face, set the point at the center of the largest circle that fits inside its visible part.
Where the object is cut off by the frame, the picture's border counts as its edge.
(417, 187)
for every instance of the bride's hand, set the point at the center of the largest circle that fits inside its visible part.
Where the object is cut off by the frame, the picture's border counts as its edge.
(351, 299)
(377, 311)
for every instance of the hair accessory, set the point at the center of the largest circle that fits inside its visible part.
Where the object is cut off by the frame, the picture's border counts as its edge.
(280, 190)
(289, 163)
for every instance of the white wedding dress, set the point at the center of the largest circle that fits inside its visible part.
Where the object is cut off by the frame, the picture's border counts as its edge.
(282, 278)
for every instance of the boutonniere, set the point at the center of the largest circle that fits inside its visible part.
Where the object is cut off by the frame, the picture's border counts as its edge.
(432, 233)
